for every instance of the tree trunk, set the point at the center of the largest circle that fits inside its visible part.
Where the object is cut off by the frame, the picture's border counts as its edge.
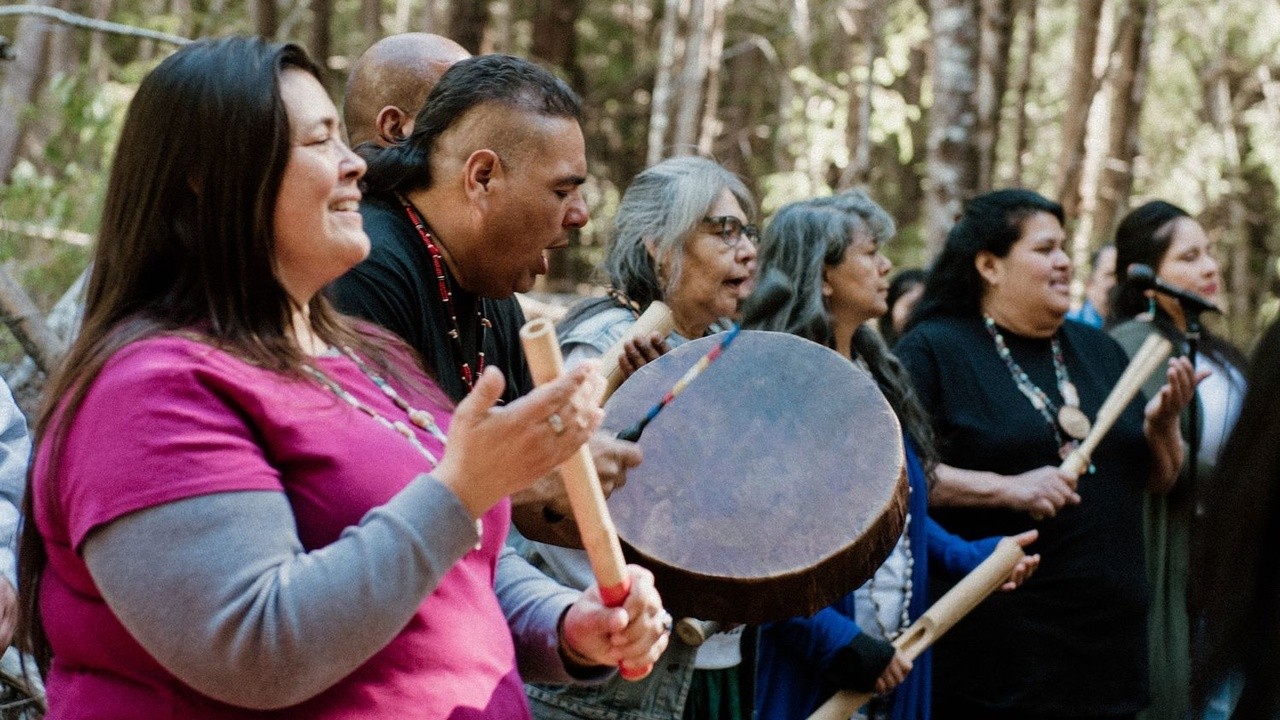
(710, 123)
(321, 22)
(27, 323)
(1080, 94)
(371, 20)
(467, 22)
(660, 104)
(689, 91)
(267, 18)
(798, 55)
(1128, 88)
(99, 61)
(952, 148)
(555, 39)
(22, 77)
(866, 29)
(993, 74)
(1020, 141)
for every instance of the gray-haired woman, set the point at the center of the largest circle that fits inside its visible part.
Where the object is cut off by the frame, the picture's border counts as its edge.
(683, 235)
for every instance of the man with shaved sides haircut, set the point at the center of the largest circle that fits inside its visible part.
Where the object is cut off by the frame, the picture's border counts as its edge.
(460, 215)
(390, 82)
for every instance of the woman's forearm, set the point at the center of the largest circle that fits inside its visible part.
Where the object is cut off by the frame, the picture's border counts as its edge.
(220, 591)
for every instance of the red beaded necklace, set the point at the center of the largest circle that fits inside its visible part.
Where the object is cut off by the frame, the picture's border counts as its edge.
(446, 296)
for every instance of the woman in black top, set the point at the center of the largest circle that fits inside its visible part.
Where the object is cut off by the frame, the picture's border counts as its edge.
(1010, 387)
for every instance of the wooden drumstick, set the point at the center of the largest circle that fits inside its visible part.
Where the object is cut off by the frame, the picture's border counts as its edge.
(656, 319)
(582, 485)
(1150, 356)
(937, 620)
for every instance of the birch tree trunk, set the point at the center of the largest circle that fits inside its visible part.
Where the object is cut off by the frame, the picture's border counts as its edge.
(865, 28)
(993, 75)
(952, 148)
(799, 52)
(689, 91)
(1128, 88)
(1020, 139)
(660, 103)
(1080, 94)
(21, 81)
(710, 123)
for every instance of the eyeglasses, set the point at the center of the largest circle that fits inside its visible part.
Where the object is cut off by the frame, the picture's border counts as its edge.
(731, 230)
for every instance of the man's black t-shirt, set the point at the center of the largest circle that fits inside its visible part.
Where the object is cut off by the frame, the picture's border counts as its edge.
(396, 288)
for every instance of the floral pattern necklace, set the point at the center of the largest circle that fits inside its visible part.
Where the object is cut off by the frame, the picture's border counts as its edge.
(446, 297)
(1069, 418)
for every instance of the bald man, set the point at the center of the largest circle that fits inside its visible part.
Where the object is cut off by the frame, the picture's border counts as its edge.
(390, 82)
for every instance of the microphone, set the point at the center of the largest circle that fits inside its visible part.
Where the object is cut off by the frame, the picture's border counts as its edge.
(1145, 277)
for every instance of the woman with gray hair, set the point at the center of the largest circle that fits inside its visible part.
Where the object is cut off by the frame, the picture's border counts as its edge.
(682, 235)
(825, 279)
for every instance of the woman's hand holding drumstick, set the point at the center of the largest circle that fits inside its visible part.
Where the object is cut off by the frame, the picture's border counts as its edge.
(616, 586)
(637, 347)
(1144, 362)
(1149, 357)
(993, 573)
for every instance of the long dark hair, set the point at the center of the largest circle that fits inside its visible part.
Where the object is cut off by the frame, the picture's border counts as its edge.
(1236, 562)
(1144, 236)
(186, 244)
(991, 222)
(803, 239)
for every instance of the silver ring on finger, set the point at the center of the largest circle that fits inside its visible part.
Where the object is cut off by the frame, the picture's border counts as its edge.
(556, 423)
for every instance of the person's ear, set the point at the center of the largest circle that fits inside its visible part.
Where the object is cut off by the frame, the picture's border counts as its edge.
(989, 267)
(827, 289)
(479, 172)
(659, 268)
(392, 125)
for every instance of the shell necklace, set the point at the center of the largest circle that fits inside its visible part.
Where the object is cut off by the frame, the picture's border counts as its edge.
(1069, 418)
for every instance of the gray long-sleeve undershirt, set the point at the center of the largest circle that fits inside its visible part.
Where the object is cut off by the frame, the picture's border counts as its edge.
(230, 603)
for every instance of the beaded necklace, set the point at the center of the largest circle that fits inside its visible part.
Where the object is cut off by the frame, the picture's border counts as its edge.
(446, 297)
(1069, 417)
(421, 418)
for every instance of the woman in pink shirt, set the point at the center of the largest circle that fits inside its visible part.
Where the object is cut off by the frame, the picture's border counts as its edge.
(246, 505)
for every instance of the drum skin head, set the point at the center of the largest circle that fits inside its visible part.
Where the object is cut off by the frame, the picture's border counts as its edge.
(771, 487)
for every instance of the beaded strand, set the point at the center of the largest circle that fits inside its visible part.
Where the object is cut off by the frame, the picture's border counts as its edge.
(421, 418)
(1039, 400)
(446, 296)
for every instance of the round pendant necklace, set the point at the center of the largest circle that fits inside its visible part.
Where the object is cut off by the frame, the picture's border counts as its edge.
(1069, 418)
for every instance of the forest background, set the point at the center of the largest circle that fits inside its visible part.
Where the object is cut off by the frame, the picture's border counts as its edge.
(1100, 104)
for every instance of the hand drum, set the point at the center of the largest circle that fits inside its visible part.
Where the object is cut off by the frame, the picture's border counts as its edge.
(771, 487)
